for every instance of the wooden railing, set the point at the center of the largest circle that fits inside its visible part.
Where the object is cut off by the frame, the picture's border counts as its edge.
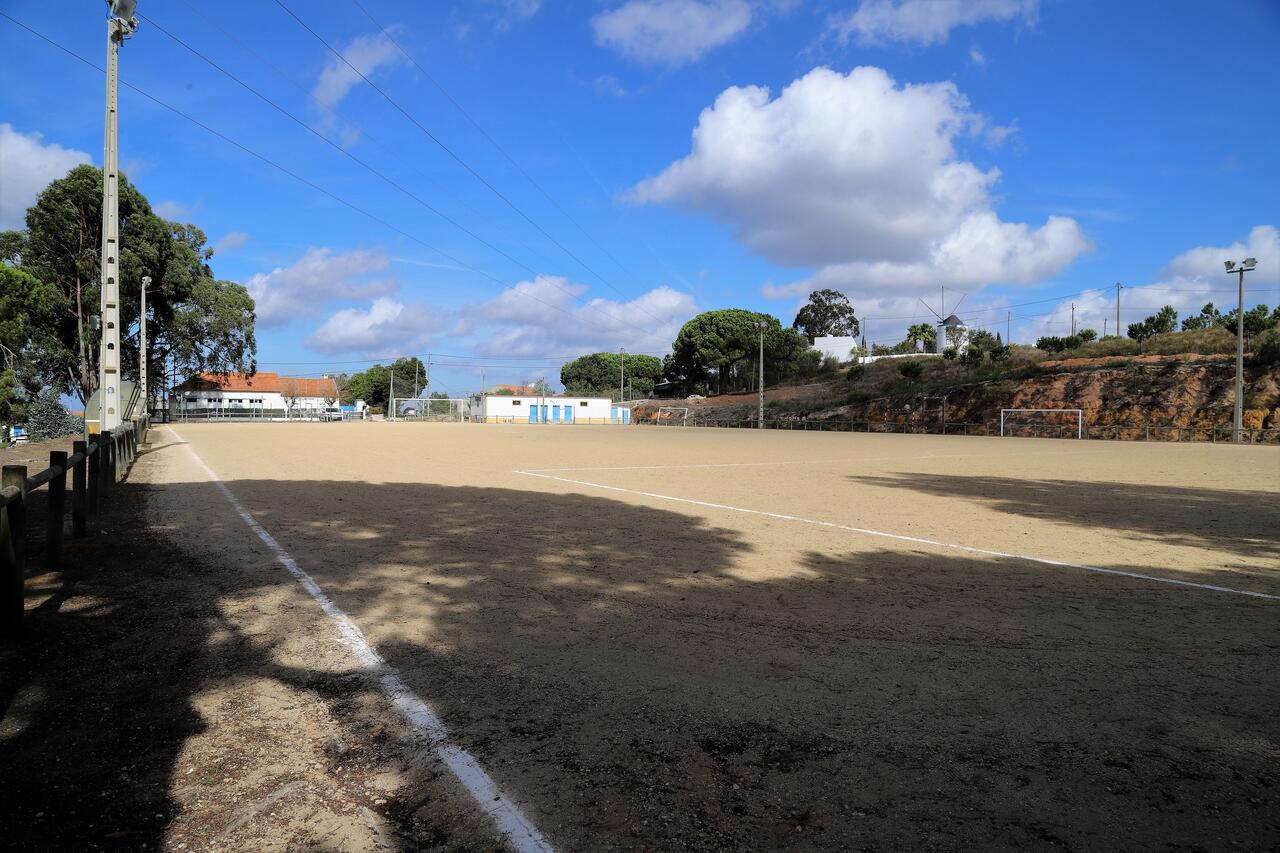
(95, 466)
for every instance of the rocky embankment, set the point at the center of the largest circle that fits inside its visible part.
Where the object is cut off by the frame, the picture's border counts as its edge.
(1189, 392)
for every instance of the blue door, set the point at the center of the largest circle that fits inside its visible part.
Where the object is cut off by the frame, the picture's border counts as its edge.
(533, 414)
(626, 416)
(568, 414)
(555, 414)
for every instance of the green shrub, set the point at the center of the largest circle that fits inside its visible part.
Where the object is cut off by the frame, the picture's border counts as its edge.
(911, 370)
(47, 419)
(1267, 351)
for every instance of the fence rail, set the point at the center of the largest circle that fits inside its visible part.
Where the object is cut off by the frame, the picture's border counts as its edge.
(95, 466)
(1108, 432)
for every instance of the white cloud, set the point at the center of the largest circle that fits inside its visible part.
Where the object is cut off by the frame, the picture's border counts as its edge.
(231, 241)
(320, 275)
(671, 32)
(607, 84)
(542, 317)
(387, 328)
(512, 12)
(1205, 262)
(859, 177)
(174, 211)
(977, 57)
(1188, 281)
(368, 54)
(27, 165)
(923, 22)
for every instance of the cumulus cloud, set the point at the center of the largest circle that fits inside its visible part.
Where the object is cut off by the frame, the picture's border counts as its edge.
(368, 54)
(385, 328)
(174, 211)
(27, 165)
(1187, 282)
(512, 12)
(671, 32)
(303, 288)
(543, 317)
(859, 177)
(923, 22)
(231, 241)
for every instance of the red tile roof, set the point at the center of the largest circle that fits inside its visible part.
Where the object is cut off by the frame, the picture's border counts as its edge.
(266, 382)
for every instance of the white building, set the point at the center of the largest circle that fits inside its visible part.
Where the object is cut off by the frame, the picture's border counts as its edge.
(533, 409)
(953, 334)
(268, 393)
(839, 346)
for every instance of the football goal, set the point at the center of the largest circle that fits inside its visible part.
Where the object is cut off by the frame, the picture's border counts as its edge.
(1038, 422)
(672, 416)
(429, 409)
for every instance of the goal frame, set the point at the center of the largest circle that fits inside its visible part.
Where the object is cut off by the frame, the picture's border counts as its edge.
(1079, 413)
(459, 409)
(684, 418)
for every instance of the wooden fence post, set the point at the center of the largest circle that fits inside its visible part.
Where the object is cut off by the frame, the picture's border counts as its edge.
(57, 512)
(13, 547)
(93, 471)
(78, 497)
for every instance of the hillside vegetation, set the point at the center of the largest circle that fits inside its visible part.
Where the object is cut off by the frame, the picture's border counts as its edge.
(1181, 379)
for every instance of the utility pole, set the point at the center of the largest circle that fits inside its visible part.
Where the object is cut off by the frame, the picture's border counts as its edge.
(428, 389)
(1237, 415)
(120, 26)
(761, 325)
(392, 411)
(142, 347)
(1008, 328)
(1119, 287)
(1073, 319)
(622, 374)
(1104, 326)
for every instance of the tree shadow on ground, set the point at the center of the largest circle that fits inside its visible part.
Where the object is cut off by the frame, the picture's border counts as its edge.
(641, 678)
(1236, 521)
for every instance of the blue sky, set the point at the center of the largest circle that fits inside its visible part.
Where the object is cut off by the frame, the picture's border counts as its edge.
(662, 157)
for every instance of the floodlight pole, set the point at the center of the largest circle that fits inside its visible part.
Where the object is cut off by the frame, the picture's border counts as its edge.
(109, 415)
(1237, 415)
(622, 375)
(142, 345)
(1119, 287)
(760, 326)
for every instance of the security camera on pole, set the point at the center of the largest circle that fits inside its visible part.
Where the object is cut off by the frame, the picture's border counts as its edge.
(1237, 419)
(120, 26)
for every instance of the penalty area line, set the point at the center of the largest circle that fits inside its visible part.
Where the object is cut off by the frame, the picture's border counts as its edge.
(518, 830)
(934, 543)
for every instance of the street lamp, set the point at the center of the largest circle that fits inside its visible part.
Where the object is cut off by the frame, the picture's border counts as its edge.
(761, 325)
(142, 345)
(120, 26)
(1237, 419)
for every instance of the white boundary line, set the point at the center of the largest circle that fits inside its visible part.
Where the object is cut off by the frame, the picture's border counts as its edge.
(916, 539)
(519, 831)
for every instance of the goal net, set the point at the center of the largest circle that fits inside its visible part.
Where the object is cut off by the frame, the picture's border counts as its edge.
(1042, 423)
(430, 409)
(672, 416)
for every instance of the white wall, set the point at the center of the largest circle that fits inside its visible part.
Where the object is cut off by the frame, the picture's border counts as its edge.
(214, 399)
(837, 346)
(517, 408)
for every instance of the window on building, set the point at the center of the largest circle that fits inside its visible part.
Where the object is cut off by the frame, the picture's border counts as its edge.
(583, 403)
(516, 402)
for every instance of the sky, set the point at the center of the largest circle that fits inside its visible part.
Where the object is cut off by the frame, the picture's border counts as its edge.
(505, 184)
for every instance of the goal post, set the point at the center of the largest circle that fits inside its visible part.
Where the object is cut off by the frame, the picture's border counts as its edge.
(1005, 419)
(430, 409)
(671, 413)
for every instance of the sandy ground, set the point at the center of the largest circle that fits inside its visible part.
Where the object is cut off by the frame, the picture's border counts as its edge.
(642, 671)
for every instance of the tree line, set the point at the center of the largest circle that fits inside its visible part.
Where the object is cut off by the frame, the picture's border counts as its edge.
(50, 294)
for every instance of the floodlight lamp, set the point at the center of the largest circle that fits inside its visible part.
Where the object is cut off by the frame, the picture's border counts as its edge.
(95, 322)
(123, 9)
(1250, 263)
(1230, 265)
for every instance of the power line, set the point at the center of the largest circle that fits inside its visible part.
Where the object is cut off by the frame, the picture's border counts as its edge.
(361, 162)
(263, 158)
(494, 142)
(453, 154)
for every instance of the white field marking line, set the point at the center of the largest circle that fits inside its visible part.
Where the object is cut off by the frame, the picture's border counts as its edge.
(916, 539)
(520, 832)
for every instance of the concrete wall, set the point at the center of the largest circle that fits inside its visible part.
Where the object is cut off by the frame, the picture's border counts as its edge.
(837, 346)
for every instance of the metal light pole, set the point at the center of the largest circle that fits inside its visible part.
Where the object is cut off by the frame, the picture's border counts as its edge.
(142, 346)
(120, 26)
(1119, 287)
(622, 375)
(1237, 418)
(761, 325)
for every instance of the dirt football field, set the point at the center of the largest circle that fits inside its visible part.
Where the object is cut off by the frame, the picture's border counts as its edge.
(641, 638)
